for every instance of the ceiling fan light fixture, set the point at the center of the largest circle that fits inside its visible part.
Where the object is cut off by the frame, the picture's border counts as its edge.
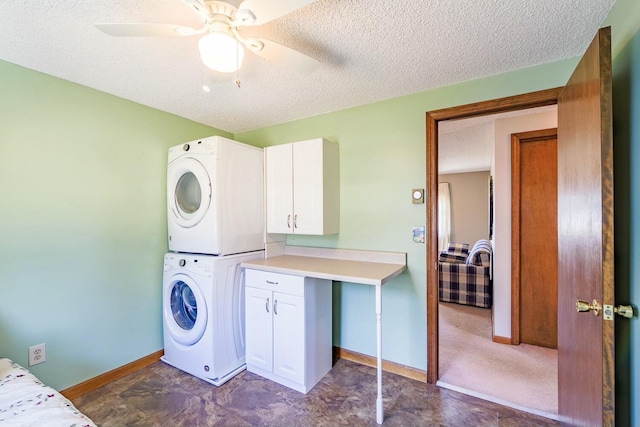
(221, 52)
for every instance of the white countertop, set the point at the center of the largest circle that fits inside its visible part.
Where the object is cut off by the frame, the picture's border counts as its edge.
(345, 265)
(335, 264)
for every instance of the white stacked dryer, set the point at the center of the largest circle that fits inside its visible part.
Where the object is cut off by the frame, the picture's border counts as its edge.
(215, 222)
(215, 197)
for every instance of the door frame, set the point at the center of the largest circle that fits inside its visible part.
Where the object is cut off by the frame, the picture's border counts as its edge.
(433, 118)
(516, 140)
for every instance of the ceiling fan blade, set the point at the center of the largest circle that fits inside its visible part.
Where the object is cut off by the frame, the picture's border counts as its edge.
(198, 7)
(146, 30)
(282, 55)
(265, 11)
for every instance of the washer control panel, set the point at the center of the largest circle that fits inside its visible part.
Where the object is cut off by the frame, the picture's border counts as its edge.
(188, 264)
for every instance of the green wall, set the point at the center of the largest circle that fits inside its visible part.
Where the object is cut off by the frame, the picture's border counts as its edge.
(83, 224)
(626, 127)
(382, 158)
(83, 230)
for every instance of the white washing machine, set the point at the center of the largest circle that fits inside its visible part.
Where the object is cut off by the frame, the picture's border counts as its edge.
(203, 314)
(215, 197)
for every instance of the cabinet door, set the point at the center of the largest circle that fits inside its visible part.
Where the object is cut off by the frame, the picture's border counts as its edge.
(279, 188)
(259, 332)
(288, 337)
(308, 189)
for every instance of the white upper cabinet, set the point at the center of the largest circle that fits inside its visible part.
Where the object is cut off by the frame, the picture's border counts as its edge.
(303, 187)
(279, 188)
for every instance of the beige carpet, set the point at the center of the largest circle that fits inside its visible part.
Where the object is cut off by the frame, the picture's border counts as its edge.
(523, 376)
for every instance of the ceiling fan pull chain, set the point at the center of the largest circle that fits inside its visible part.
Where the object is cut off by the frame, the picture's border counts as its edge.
(237, 81)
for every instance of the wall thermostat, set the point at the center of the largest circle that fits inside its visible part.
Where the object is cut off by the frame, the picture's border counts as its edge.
(417, 195)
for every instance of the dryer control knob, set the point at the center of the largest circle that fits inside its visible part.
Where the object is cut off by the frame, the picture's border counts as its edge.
(182, 263)
(186, 147)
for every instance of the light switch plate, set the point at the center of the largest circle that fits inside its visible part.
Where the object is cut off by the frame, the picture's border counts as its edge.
(417, 195)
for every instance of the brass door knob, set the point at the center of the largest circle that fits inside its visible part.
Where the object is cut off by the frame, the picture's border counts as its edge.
(585, 306)
(624, 311)
(608, 310)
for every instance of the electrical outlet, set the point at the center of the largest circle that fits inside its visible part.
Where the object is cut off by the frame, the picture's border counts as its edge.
(37, 354)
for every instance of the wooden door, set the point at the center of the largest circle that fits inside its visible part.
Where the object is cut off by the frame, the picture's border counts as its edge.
(575, 373)
(534, 238)
(585, 239)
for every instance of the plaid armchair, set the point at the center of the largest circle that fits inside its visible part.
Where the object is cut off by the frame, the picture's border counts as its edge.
(466, 278)
(457, 252)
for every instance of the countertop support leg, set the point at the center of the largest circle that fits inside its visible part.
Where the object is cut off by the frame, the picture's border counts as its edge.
(379, 408)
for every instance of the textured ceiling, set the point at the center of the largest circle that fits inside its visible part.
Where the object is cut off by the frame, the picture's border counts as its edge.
(466, 145)
(369, 50)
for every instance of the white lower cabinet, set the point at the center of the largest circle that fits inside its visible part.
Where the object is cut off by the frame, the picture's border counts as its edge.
(288, 328)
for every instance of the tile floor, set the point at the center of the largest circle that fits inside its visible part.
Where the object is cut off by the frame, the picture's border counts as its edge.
(161, 395)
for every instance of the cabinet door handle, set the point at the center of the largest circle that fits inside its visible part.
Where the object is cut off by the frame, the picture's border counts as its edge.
(295, 221)
(266, 306)
(289, 221)
(275, 307)
(271, 283)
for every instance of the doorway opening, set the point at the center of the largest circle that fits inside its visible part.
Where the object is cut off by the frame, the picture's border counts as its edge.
(434, 118)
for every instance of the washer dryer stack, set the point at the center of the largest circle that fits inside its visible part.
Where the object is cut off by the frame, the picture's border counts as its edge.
(215, 222)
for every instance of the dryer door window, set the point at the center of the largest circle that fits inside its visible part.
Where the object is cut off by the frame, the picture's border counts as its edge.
(189, 192)
(185, 311)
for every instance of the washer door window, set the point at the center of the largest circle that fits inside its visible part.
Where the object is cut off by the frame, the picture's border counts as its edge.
(185, 311)
(189, 192)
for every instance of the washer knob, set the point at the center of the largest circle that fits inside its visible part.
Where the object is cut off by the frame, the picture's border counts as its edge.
(182, 263)
(186, 147)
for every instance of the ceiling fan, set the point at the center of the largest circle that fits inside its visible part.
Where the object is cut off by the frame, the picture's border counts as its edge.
(221, 49)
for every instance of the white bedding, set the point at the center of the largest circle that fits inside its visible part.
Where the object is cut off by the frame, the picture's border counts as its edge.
(25, 401)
